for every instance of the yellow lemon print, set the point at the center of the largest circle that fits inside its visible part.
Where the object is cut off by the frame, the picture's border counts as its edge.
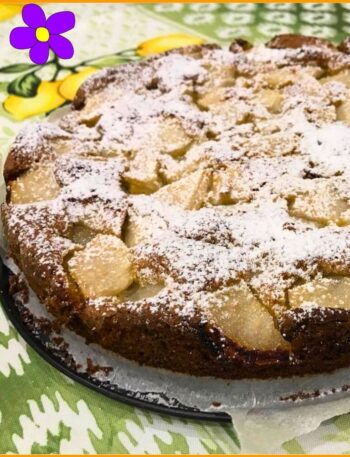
(165, 43)
(7, 11)
(70, 85)
(46, 99)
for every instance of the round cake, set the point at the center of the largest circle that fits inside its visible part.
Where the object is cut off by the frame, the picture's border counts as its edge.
(192, 211)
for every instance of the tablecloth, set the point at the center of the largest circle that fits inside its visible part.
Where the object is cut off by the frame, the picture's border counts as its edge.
(42, 411)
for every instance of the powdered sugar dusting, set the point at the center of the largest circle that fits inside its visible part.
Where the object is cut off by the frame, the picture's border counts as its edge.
(266, 144)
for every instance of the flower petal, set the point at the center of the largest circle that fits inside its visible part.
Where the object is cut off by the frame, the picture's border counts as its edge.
(22, 37)
(166, 43)
(62, 47)
(39, 53)
(33, 16)
(60, 22)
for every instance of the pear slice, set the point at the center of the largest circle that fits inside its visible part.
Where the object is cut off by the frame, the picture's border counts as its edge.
(35, 185)
(276, 79)
(172, 170)
(341, 77)
(143, 176)
(215, 96)
(343, 112)
(187, 193)
(271, 99)
(332, 292)
(139, 227)
(143, 222)
(174, 139)
(217, 76)
(232, 111)
(136, 231)
(244, 320)
(323, 205)
(81, 234)
(229, 187)
(103, 268)
(196, 157)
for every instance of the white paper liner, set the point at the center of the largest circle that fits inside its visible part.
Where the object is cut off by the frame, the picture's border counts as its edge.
(199, 392)
(262, 420)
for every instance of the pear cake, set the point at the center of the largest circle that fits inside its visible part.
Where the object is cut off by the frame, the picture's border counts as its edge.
(192, 211)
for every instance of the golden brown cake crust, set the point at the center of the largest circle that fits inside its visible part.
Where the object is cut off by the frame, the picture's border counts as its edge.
(192, 211)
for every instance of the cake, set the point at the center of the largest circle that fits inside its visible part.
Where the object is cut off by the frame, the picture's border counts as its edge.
(192, 211)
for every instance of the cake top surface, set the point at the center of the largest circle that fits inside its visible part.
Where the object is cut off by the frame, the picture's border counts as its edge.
(195, 171)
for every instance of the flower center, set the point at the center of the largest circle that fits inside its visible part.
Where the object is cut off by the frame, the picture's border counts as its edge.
(42, 34)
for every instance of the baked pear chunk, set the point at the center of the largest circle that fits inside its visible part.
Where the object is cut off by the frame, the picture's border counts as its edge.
(214, 85)
(229, 186)
(143, 175)
(136, 230)
(271, 99)
(35, 185)
(140, 227)
(323, 204)
(342, 77)
(188, 193)
(343, 112)
(174, 139)
(281, 77)
(103, 268)
(330, 292)
(213, 97)
(80, 234)
(218, 76)
(244, 320)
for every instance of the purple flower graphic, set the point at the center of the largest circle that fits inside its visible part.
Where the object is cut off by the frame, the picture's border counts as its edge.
(43, 34)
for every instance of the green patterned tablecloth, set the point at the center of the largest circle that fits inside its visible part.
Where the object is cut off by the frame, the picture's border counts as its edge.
(42, 411)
